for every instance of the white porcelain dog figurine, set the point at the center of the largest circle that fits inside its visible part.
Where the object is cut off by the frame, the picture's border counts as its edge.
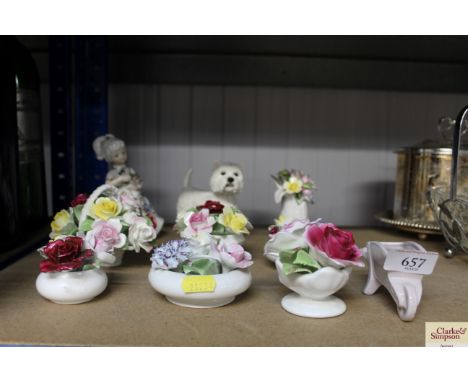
(226, 181)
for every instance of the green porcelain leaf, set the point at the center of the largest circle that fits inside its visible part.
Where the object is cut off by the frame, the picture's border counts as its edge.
(202, 267)
(218, 229)
(77, 211)
(86, 225)
(305, 258)
(298, 260)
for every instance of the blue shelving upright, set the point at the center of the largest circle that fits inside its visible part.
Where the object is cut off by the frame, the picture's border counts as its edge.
(91, 110)
(76, 117)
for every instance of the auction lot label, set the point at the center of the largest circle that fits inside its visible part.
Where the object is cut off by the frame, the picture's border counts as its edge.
(446, 334)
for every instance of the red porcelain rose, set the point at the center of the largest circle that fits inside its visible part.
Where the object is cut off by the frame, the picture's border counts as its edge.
(334, 242)
(65, 255)
(79, 199)
(273, 230)
(213, 206)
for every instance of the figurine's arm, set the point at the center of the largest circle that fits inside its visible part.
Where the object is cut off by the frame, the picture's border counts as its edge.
(118, 180)
(135, 179)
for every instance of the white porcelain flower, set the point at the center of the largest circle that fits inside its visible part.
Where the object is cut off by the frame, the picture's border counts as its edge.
(141, 234)
(289, 236)
(293, 185)
(129, 217)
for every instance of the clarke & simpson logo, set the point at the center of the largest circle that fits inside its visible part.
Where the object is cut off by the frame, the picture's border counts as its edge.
(446, 334)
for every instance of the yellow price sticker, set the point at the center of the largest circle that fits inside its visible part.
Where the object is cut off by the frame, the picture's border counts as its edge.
(198, 284)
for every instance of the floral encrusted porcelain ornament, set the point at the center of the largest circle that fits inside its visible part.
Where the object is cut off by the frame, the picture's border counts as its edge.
(194, 278)
(294, 192)
(317, 270)
(114, 152)
(70, 273)
(109, 222)
(213, 221)
(209, 267)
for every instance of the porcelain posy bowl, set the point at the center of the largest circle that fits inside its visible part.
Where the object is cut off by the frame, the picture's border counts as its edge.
(313, 295)
(228, 286)
(71, 287)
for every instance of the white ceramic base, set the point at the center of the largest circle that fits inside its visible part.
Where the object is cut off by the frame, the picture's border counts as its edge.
(75, 302)
(71, 287)
(228, 286)
(330, 306)
(314, 291)
(212, 303)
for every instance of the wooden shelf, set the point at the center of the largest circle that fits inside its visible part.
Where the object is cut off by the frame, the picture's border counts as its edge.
(131, 313)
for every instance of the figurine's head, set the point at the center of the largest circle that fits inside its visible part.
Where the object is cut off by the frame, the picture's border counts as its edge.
(227, 178)
(111, 149)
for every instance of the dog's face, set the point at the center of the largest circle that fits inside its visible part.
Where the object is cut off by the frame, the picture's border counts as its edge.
(227, 178)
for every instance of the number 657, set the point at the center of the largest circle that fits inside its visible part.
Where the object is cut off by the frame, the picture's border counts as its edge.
(413, 262)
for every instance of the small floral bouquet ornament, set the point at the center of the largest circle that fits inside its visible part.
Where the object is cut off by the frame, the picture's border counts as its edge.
(213, 221)
(315, 260)
(110, 221)
(208, 267)
(70, 273)
(293, 183)
(192, 277)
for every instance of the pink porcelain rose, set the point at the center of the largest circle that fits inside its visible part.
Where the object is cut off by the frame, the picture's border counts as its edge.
(333, 246)
(234, 256)
(105, 235)
(198, 225)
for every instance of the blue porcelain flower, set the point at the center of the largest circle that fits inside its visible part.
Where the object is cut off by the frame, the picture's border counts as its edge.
(169, 255)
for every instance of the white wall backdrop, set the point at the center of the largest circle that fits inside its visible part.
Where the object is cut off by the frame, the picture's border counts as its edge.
(343, 138)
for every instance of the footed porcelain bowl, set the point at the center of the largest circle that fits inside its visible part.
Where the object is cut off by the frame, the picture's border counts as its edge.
(71, 287)
(228, 286)
(313, 295)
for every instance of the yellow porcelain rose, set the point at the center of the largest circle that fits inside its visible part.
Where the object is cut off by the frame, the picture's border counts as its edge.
(235, 221)
(62, 224)
(293, 185)
(105, 208)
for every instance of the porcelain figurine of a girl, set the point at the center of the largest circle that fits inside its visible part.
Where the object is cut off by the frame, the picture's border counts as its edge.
(113, 151)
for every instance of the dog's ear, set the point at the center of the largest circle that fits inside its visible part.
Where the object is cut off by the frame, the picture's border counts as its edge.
(216, 164)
